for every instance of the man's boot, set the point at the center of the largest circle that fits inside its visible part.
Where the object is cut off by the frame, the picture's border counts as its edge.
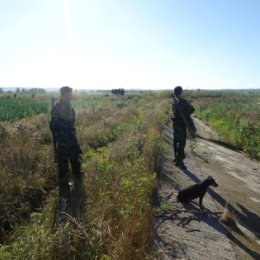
(180, 165)
(64, 196)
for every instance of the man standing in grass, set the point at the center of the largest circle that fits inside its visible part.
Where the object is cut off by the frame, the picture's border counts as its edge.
(182, 111)
(66, 145)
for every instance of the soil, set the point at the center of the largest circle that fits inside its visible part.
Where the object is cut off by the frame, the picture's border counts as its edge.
(183, 230)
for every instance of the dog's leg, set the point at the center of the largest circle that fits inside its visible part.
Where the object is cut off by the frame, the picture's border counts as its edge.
(200, 202)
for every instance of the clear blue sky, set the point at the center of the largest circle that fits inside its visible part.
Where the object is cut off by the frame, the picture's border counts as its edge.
(130, 43)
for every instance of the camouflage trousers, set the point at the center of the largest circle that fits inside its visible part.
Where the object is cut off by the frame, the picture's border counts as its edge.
(179, 143)
(68, 155)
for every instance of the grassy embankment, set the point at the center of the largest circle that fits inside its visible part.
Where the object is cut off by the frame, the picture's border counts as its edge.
(234, 115)
(121, 141)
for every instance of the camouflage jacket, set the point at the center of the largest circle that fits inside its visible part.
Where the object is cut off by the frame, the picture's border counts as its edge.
(181, 106)
(62, 122)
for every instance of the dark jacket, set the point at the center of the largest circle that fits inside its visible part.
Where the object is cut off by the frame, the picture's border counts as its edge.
(181, 109)
(62, 123)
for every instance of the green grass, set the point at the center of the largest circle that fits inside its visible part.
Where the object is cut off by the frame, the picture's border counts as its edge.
(234, 116)
(13, 109)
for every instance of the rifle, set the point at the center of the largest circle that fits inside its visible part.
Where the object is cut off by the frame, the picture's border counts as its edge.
(53, 137)
(190, 125)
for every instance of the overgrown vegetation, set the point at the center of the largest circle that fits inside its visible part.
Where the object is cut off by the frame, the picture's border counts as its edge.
(120, 137)
(26, 169)
(121, 144)
(234, 115)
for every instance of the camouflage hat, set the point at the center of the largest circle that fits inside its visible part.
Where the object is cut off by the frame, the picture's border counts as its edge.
(177, 90)
(65, 89)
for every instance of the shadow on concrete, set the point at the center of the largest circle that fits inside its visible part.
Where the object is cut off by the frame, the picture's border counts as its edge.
(245, 217)
(251, 218)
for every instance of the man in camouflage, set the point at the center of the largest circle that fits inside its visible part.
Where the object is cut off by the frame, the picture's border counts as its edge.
(182, 111)
(66, 144)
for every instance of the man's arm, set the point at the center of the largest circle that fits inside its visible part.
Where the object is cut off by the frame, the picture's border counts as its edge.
(188, 108)
(191, 126)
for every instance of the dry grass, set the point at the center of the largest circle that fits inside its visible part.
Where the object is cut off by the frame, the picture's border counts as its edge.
(120, 177)
(26, 171)
(227, 218)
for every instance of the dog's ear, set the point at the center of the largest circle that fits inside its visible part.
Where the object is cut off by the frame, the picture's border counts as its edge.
(210, 178)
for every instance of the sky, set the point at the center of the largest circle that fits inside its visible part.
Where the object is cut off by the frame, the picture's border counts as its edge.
(131, 44)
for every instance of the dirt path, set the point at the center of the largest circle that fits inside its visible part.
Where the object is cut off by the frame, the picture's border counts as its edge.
(184, 231)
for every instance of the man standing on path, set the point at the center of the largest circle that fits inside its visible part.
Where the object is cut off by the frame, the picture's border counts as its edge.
(67, 148)
(182, 111)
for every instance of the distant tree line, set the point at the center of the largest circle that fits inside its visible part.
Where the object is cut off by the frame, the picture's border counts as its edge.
(31, 90)
(23, 90)
(119, 91)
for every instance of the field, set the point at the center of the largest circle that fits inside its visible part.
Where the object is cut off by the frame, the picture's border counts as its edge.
(120, 137)
(121, 141)
(235, 116)
(13, 109)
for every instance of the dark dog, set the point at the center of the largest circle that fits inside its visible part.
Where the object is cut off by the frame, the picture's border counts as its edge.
(196, 191)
